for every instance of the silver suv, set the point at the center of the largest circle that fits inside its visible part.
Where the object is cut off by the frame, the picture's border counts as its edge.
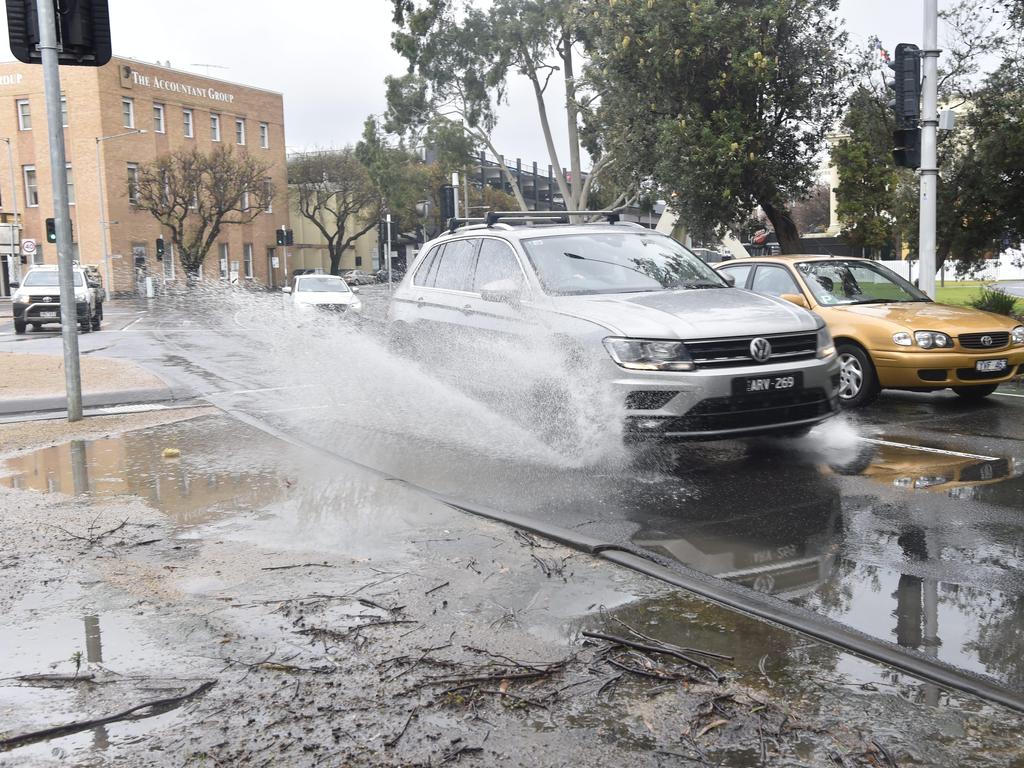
(36, 301)
(685, 354)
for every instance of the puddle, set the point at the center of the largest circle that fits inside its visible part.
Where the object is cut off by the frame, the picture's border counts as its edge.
(219, 469)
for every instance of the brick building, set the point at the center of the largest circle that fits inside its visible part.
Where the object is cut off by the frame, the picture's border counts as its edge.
(133, 112)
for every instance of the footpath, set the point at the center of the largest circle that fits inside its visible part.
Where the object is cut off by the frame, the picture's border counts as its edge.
(177, 588)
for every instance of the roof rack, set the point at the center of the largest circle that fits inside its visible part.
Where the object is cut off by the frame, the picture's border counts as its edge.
(492, 218)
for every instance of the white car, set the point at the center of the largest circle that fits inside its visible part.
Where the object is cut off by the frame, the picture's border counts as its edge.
(36, 301)
(327, 293)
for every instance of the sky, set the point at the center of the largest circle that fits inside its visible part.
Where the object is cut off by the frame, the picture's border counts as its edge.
(330, 57)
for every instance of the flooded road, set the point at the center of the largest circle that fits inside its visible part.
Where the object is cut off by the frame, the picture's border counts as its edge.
(904, 521)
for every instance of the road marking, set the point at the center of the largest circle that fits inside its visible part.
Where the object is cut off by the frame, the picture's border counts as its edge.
(133, 322)
(253, 391)
(1007, 394)
(925, 449)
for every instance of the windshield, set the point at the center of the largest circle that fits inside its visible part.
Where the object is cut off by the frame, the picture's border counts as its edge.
(321, 285)
(627, 262)
(836, 282)
(48, 279)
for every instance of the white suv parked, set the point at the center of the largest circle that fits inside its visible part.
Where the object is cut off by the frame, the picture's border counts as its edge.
(36, 301)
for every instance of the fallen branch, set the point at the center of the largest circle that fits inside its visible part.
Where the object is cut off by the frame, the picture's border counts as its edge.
(82, 725)
(40, 678)
(663, 644)
(434, 589)
(662, 649)
(299, 565)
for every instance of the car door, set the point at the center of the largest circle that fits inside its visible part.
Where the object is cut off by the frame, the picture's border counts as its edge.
(739, 272)
(444, 302)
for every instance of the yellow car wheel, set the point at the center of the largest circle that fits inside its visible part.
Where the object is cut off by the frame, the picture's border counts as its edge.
(858, 382)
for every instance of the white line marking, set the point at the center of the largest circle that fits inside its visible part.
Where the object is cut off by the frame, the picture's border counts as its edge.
(925, 449)
(133, 322)
(1007, 394)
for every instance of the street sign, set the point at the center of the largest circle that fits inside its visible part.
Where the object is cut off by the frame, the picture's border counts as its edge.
(28, 247)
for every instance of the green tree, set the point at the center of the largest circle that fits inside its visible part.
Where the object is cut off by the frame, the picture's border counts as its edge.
(724, 104)
(461, 58)
(336, 194)
(196, 194)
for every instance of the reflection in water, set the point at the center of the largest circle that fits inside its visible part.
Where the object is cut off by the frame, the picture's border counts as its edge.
(219, 470)
(94, 654)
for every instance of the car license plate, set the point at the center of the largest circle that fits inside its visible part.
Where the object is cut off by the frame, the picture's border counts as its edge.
(991, 366)
(47, 314)
(756, 385)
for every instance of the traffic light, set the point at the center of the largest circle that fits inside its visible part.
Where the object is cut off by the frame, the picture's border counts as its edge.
(447, 202)
(906, 105)
(51, 230)
(281, 236)
(160, 248)
(82, 26)
(906, 152)
(288, 240)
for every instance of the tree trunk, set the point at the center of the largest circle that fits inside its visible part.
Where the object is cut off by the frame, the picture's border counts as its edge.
(785, 229)
(335, 255)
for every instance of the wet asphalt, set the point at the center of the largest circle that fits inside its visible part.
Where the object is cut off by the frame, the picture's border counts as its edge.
(904, 520)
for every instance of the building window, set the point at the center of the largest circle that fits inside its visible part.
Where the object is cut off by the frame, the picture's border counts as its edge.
(168, 260)
(240, 131)
(71, 185)
(247, 256)
(128, 112)
(215, 127)
(31, 186)
(24, 115)
(268, 187)
(158, 119)
(264, 136)
(64, 111)
(186, 116)
(245, 201)
(133, 183)
(223, 261)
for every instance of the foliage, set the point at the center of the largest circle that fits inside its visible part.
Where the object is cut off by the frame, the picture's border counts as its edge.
(195, 195)
(336, 194)
(461, 58)
(995, 300)
(724, 104)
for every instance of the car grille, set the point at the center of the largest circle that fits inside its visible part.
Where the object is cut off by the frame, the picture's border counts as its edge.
(764, 410)
(648, 400)
(728, 353)
(332, 307)
(973, 340)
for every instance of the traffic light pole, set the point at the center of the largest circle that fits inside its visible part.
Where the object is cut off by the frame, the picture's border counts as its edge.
(929, 151)
(59, 177)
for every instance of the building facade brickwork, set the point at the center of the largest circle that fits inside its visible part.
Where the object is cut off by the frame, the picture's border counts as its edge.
(177, 110)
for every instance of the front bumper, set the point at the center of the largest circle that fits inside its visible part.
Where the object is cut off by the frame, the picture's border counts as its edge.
(939, 369)
(700, 405)
(35, 312)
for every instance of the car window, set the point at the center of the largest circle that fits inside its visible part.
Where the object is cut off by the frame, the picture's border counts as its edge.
(856, 282)
(455, 265)
(774, 281)
(496, 261)
(741, 272)
(423, 275)
(324, 284)
(47, 279)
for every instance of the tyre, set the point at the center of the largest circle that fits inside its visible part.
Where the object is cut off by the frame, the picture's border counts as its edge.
(858, 382)
(19, 326)
(96, 322)
(85, 326)
(976, 393)
(99, 312)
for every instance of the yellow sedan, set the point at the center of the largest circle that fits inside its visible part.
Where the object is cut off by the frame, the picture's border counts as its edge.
(888, 334)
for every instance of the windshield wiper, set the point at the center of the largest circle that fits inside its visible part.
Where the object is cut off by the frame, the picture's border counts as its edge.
(701, 284)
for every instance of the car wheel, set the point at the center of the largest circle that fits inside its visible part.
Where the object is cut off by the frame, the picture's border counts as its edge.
(99, 312)
(96, 323)
(858, 382)
(85, 326)
(976, 393)
(19, 326)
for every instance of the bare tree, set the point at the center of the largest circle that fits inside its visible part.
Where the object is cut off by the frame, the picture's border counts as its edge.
(195, 195)
(337, 195)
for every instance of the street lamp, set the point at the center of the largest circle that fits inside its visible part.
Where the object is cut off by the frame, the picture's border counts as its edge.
(99, 184)
(14, 199)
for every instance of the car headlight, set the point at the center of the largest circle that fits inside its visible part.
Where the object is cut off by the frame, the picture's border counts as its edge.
(903, 338)
(825, 346)
(1017, 335)
(649, 355)
(20, 298)
(81, 296)
(932, 340)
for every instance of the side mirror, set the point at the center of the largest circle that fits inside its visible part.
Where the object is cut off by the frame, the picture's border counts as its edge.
(730, 279)
(355, 289)
(502, 292)
(15, 285)
(795, 298)
(287, 289)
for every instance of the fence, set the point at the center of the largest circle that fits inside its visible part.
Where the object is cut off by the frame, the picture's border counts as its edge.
(1009, 267)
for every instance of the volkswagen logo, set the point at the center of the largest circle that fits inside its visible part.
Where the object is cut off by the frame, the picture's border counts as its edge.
(761, 350)
(987, 341)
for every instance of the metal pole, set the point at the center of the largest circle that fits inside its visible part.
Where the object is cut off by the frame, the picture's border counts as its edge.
(59, 179)
(14, 270)
(103, 222)
(929, 153)
(455, 183)
(387, 250)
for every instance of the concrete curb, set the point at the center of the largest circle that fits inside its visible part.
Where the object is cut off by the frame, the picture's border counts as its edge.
(30, 405)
